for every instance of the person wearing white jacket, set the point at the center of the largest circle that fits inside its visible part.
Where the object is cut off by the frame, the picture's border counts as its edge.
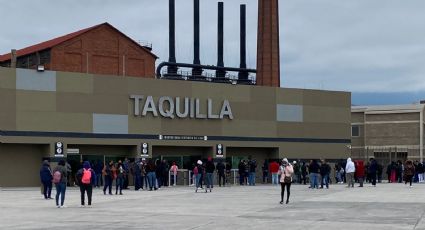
(349, 171)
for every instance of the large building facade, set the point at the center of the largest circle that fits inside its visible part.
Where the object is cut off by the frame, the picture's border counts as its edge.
(388, 133)
(99, 117)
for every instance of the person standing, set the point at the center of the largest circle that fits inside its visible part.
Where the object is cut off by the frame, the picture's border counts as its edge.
(209, 169)
(304, 173)
(373, 168)
(325, 170)
(252, 165)
(265, 169)
(173, 171)
(228, 172)
(360, 172)
(126, 167)
(285, 172)
(69, 174)
(409, 172)
(108, 174)
(150, 171)
(197, 174)
(241, 170)
(46, 179)
(120, 171)
(60, 175)
(314, 169)
(158, 173)
(220, 172)
(86, 179)
(98, 170)
(137, 170)
(274, 170)
(349, 172)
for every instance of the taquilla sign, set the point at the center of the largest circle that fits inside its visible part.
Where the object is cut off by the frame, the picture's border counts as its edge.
(177, 107)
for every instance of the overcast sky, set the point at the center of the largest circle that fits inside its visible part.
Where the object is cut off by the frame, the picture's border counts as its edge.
(361, 46)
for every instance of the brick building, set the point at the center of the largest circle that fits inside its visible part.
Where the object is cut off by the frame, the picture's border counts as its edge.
(101, 49)
(388, 133)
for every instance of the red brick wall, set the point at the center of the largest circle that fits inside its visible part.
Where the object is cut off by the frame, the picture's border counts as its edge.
(268, 63)
(103, 51)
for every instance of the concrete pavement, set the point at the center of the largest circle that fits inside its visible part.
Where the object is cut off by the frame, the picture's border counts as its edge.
(387, 206)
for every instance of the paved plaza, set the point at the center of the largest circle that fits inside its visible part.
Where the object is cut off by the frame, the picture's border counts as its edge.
(388, 206)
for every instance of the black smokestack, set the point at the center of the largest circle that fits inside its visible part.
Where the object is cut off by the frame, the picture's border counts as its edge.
(172, 37)
(243, 75)
(220, 62)
(196, 60)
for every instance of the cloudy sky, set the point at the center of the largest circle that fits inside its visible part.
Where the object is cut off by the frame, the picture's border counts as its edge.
(374, 49)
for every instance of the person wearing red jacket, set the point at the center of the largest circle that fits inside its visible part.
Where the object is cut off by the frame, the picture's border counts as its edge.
(274, 169)
(360, 171)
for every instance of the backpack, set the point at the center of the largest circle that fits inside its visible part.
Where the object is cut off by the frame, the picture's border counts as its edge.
(57, 176)
(86, 179)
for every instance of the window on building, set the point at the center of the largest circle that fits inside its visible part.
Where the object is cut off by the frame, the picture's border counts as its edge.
(355, 131)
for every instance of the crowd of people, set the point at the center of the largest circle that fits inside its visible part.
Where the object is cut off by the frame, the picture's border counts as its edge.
(151, 175)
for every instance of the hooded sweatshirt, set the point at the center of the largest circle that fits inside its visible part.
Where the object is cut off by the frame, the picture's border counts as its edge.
(349, 168)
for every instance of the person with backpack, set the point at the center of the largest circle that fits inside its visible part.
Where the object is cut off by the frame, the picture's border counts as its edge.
(285, 171)
(86, 178)
(46, 179)
(60, 175)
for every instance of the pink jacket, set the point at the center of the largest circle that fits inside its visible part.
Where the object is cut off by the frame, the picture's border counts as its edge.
(174, 169)
(285, 171)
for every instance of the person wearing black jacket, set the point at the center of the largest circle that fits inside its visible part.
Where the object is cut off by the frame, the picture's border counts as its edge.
(220, 171)
(107, 172)
(86, 186)
(325, 170)
(209, 170)
(314, 169)
(150, 171)
(373, 167)
(46, 179)
(241, 169)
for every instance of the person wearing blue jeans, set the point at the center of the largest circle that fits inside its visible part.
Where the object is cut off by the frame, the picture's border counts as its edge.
(209, 169)
(314, 170)
(252, 178)
(150, 170)
(61, 184)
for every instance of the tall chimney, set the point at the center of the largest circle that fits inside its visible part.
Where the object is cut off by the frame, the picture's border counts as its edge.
(172, 37)
(220, 62)
(196, 71)
(268, 63)
(243, 75)
(13, 58)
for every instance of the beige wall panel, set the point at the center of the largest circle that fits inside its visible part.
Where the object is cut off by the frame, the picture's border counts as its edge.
(289, 96)
(35, 101)
(357, 117)
(27, 157)
(265, 95)
(327, 98)
(110, 104)
(357, 141)
(327, 114)
(7, 109)
(191, 127)
(393, 117)
(253, 111)
(314, 151)
(112, 150)
(111, 85)
(175, 88)
(7, 78)
(208, 90)
(143, 125)
(86, 103)
(249, 128)
(328, 131)
(146, 87)
(74, 82)
(51, 121)
(237, 93)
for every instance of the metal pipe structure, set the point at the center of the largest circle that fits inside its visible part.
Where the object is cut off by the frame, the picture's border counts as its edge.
(172, 37)
(196, 59)
(243, 75)
(220, 39)
(209, 67)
